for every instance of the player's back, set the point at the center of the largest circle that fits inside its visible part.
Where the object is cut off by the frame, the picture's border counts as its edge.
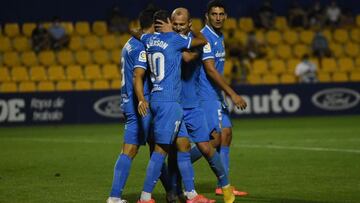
(164, 57)
(215, 50)
(133, 55)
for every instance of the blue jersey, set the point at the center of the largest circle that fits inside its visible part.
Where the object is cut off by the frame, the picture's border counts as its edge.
(215, 49)
(133, 55)
(164, 55)
(189, 77)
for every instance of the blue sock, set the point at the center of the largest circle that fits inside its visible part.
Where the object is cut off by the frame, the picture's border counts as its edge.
(186, 170)
(153, 171)
(195, 153)
(121, 173)
(224, 155)
(218, 169)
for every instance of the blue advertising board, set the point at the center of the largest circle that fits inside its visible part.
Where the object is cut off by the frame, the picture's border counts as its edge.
(104, 106)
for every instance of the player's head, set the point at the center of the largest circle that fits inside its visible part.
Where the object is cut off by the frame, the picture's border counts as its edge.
(146, 18)
(160, 15)
(180, 19)
(215, 14)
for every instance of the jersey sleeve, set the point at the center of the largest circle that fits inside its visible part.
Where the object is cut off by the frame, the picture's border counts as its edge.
(207, 52)
(144, 38)
(139, 57)
(181, 41)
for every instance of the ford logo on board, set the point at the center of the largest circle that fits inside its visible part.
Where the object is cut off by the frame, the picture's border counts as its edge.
(109, 107)
(336, 99)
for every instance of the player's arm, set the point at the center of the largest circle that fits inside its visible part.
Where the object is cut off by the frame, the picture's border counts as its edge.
(189, 56)
(137, 33)
(138, 80)
(198, 39)
(215, 76)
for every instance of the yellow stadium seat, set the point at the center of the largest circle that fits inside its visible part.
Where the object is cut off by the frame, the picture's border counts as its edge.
(281, 23)
(8, 87)
(69, 27)
(246, 24)
(357, 62)
(101, 57)
(29, 58)
(270, 79)
(76, 43)
(352, 49)
(273, 37)
(291, 65)
(287, 78)
(315, 61)
(19, 73)
(230, 23)
(47, 25)
(11, 59)
(277, 66)
(355, 35)
(74, 72)
(228, 66)
(358, 20)
(27, 29)
(92, 42)
(82, 85)
(123, 39)
(355, 76)
(259, 66)
(340, 77)
(197, 24)
(115, 84)
(83, 57)
(82, 28)
(99, 28)
(64, 85)
(27, 86)
(101, 85)
(346, 64)
(324, 77)
(115, 56)
(56, 73)
(38, 73)
(341, 36)
(254, 79)
(270, 53)
(21, 44)
(47, 58)
(92, 72)
(306, 36)
(291, 37)
(336, 49)
(300, 50)
(12, 29)
(327, 34)
(4, 75)
(260, 36)
(109, 42)
(65, 57)
(328, 65)
(111, 71)
(134, 24)
(5, 44)
(284, 51)
(46, 86)
(241, 36)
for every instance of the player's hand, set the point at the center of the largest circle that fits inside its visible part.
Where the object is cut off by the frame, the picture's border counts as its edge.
(239, 101)
(143, 107)
(164, 26)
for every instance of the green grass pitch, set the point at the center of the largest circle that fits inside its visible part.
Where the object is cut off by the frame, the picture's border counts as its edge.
(302, 160)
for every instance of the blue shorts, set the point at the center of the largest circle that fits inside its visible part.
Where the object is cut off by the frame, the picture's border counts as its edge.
(194, 125)
(213, 114)
(137, 128)
(225, 120)
(167, 120)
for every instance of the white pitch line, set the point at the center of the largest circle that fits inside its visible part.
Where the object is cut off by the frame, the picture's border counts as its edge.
(321, 149)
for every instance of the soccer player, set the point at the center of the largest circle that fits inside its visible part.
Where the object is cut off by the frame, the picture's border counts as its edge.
(137, 128)
(211, 83)
(194, 122)
(163, 50)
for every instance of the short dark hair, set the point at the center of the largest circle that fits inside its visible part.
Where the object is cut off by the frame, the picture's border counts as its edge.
(215, 3)
(146, 17)
(161, 15)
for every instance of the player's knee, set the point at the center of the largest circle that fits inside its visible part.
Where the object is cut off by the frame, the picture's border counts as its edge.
(206, 149)
(215, 142)
(130, 150)
(183, 144)
(226, 136)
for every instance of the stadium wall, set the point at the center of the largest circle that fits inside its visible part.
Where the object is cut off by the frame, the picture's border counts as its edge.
(104, 106)
(69, 10)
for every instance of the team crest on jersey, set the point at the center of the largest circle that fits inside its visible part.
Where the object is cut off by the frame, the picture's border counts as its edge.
(207, 48)
(142, 56)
